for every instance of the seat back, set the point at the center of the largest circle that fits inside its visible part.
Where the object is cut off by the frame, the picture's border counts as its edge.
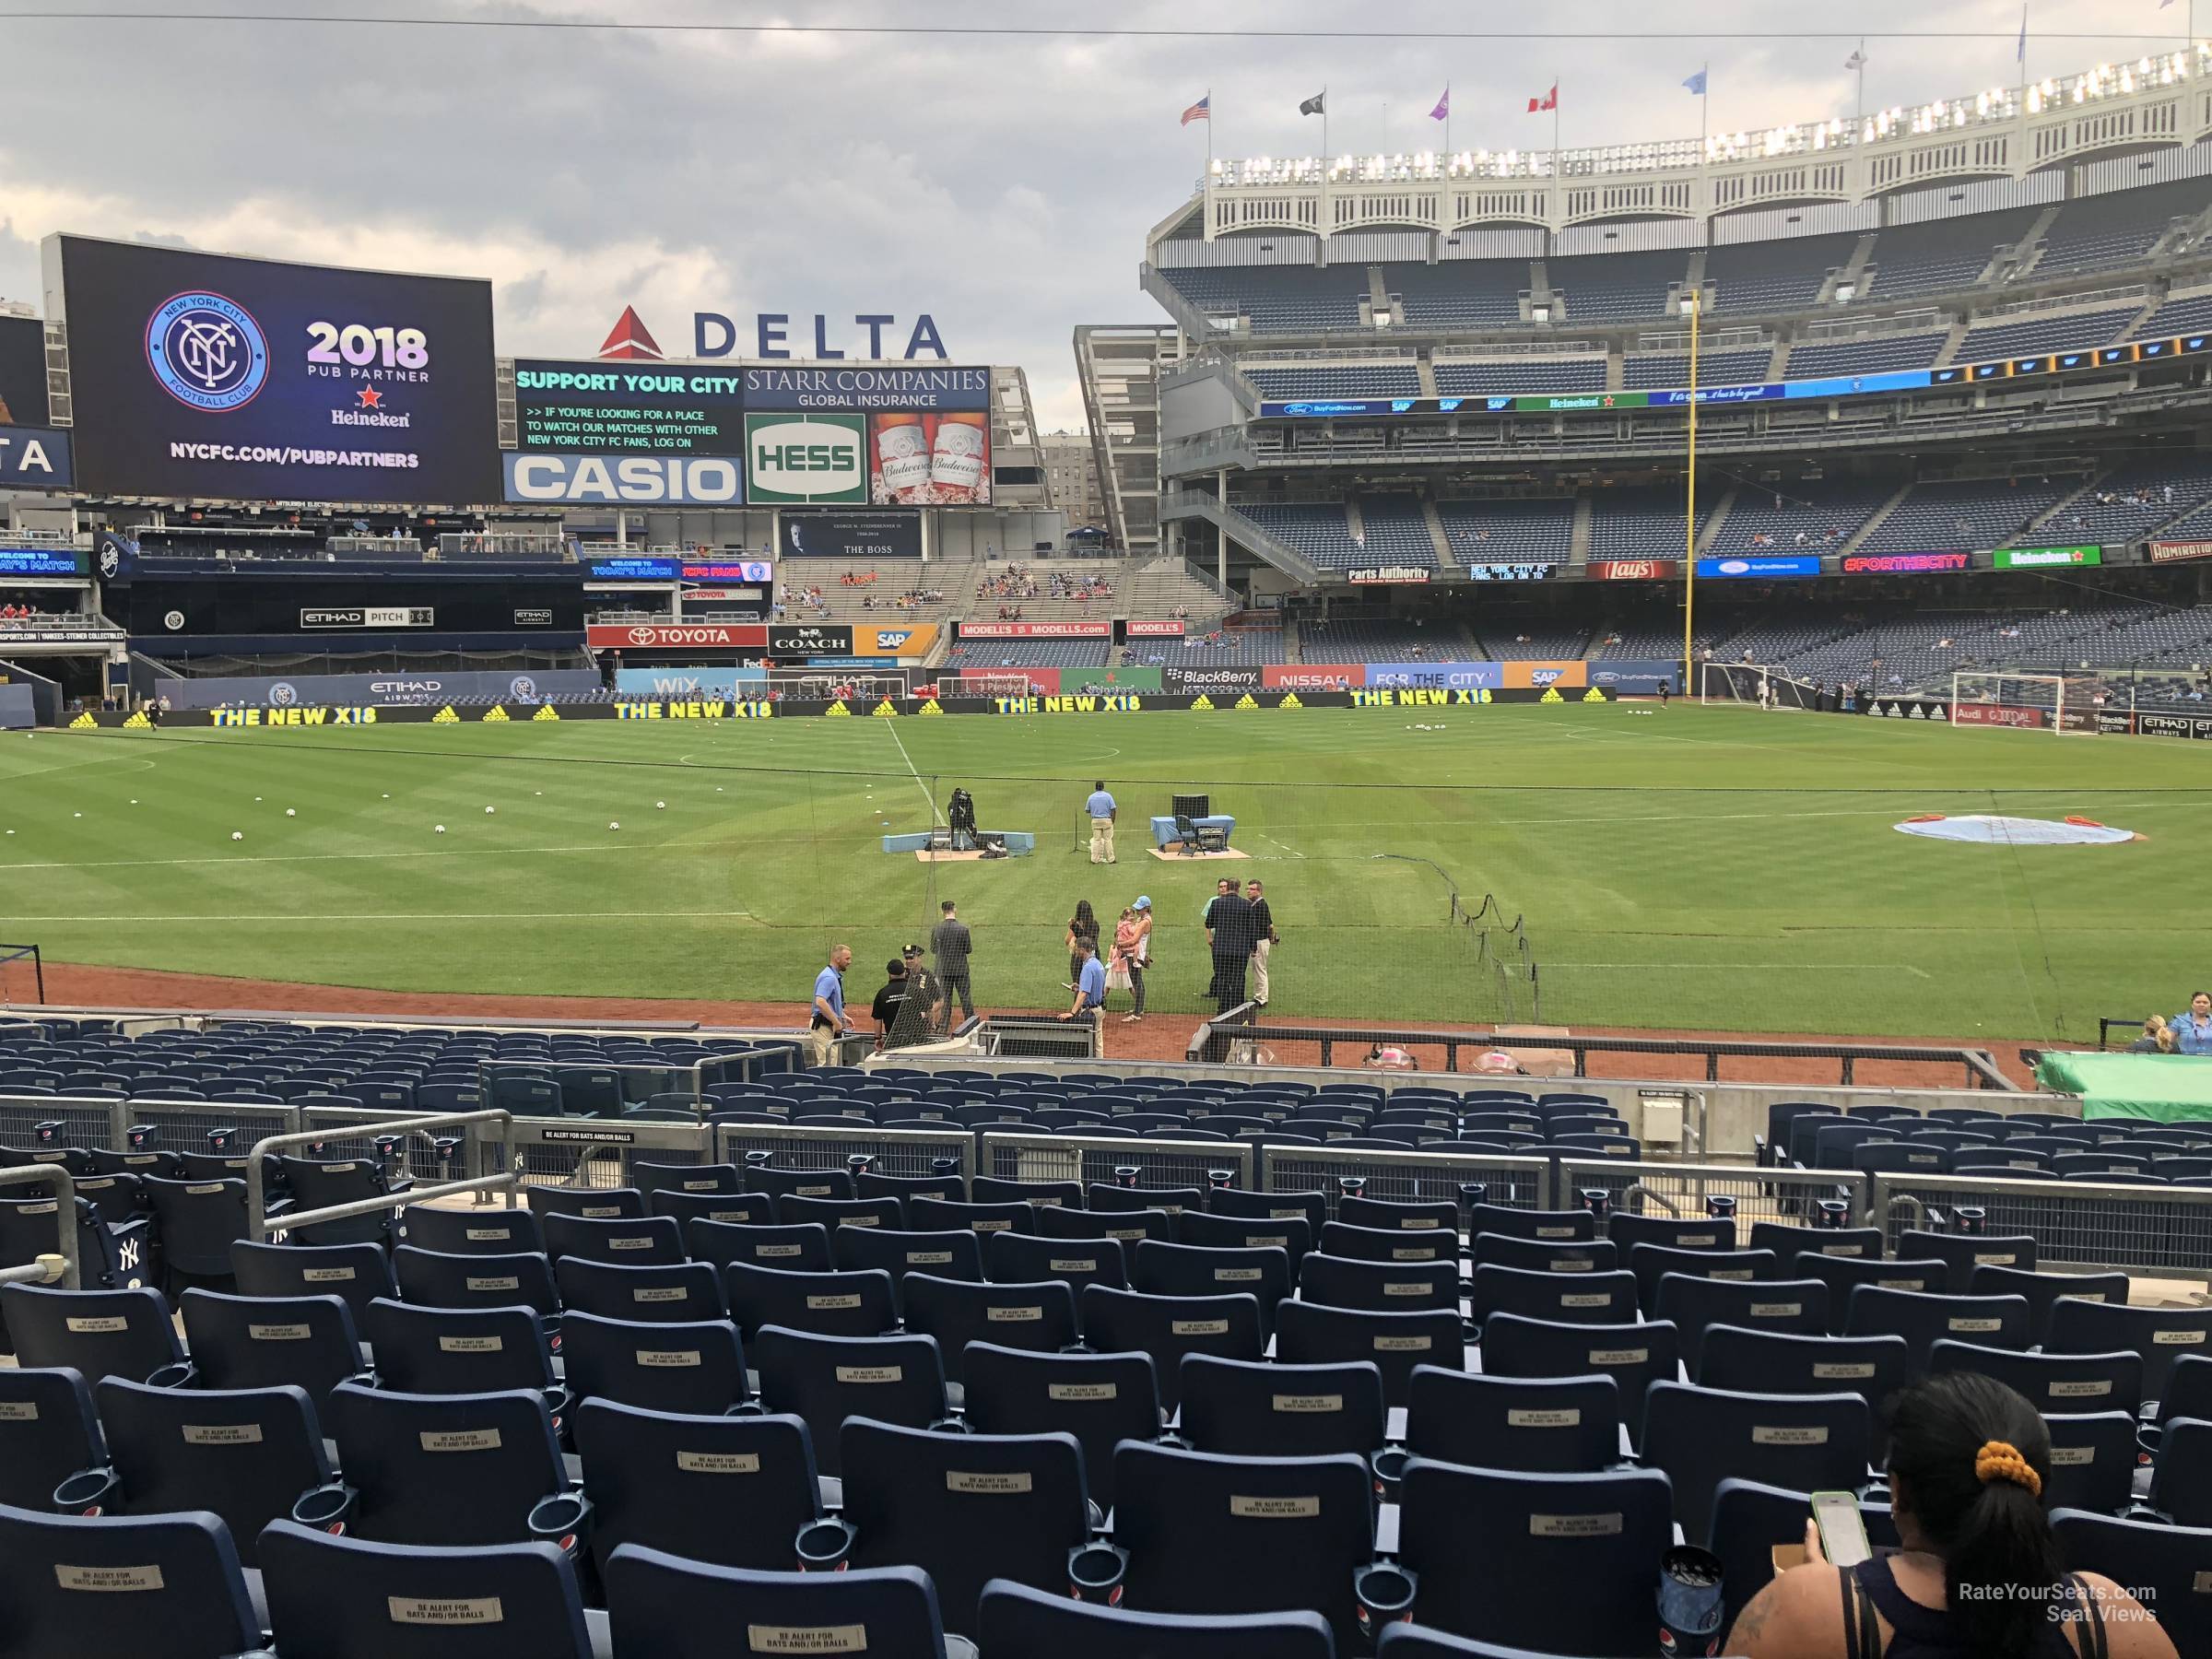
(1845, 1275)
(703, 1180)
(198, 1221)
(265, 1342)
(1311, 1208)
(1747, 1520)
(588, 1203)
(244, 1454)
(729, 1490)
(433, 1350)
(1380, 1287)
(1535, 1255)
(1020, 1258)
(2169, 1562)
(803, 1248)
(1603, 1534)
(1039, 1318)
(1569, 1299)
(323, 1182)
(1550, 1226)
(1652, 1262)
(1962, 1252)
(2050, 1381)
(1675, 1232)
(153, 1586)
(1535, 1425)
(1395, 1344)
(1125, 1227)
(1388, 1245)
(408, 1454)
(639, 1242)
(1279, 1534)
(2093, 1463)
(1787, 1241)
(954, 1254)
(94, 1333)
(1264, 1272)
(1290, 1234)
(1101, 1399)
(2159, 1335)
(1700, 1436)
(1922, 1320)
(1400, 1215)
(1244, 1408)
(661, 1602)
(48, 1432)
(1634, 1355)
(471, 1232)
(696, 1367)
(825, 1379)
(1797, 1307)
(798, 1183)
(827, 1304)
(430, 1278)
(1014, 1619)
(673, 1292)
(1167, 1328)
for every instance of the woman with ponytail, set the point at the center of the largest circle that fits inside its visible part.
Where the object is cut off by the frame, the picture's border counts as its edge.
(1979, 1575)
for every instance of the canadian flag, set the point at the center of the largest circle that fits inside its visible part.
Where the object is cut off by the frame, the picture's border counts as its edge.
(1550, 100)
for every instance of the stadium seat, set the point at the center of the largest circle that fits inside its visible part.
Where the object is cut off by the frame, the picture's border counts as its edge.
(2043, 1289)
(1962, 1252)
(1379, 1287)
(1922, 1320)
(317, 1184)
(1548, 1226)
(1036, 1318)
(803, 1248)
(1167, 1328)
(152, 1587)
(348, 1598)
(2180, 1483)
(1045, 1195)
(953, 1254)
(965, 1508)
(1842, 1274)
(826, 1304)
(1531, 1255)
(939, 1215)
(834, 1213)
(407, 1457)
(752, 1207)
(1700, 1436)
(2049, 1381)
(2167, 1560)
(585, 1202)
(97, 1333)
(471, 1231)
(825, 1379)
(659, 1604)
(646, 1240)
(266, 1342)
(437, 1350)
(355, 1274)
(1787, 1241)
(1568, 1299)
(1101, 1399)
(2157, 1334)
(1019, 1620)
(1675, 1232)
(1535, 1530)
(696, 1369)
(797, 1183)
(435, 1280)
(1536, 1426)
(1634, 1355)
(1651, 1263)
(197, 1221)
(48, 1432)
(1158, 1269)
(1242, 1408)
(1388, 1245)
(1125, 1227)
(1749, 1520)
(1792, 1307)
(1758, 1361)
(2093, 1456)
(245, 1456)
(1290, 1234)
(673, 1292)
(732, 1491)
(1395, 1344)
(1391, 1215)
(1242, 1535)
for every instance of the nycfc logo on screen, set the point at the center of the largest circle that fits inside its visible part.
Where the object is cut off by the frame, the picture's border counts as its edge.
(284, 694)
(522, 688)
(208, 352)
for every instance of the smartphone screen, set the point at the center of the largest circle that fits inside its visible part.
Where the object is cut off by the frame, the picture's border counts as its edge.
(1842, 1531)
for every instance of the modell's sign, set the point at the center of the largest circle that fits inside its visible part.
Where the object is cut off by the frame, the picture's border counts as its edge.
(1036, 630)
(1634, 569)
(2174, 552)
(1368, 574)
(1155, 631)
(677, 635)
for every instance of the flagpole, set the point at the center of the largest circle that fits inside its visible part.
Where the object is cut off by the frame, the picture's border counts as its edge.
(1859, 121)
(1704, 108)
(1324, 132)
(1690, 534)
(1561, 208)
(1209, 132)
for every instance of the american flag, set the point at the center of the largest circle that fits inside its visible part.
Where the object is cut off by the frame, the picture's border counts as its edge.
(1201, 110)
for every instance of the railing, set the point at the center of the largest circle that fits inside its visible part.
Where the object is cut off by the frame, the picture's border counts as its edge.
(1212, 1041)
(2163, 1230)
(61, 1266)
(1102, 1159)
(261, 1225)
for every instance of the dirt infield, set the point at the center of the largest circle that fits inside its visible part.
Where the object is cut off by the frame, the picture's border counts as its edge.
(1159, 1037)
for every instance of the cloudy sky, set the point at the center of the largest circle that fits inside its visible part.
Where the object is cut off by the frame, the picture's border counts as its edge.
(1003, 183)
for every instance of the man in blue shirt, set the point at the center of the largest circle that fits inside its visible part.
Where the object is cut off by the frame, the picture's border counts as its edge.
(2193, 1030)
(828, 1020)
(1091, 993)
(1101, 807)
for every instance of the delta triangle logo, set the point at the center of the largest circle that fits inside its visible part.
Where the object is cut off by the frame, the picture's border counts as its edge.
(630, 338)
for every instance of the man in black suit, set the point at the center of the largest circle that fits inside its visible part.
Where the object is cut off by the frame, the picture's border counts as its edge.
(1228, 933)
(950, 942)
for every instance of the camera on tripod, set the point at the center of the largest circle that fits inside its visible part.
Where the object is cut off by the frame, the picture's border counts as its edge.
(959, 817)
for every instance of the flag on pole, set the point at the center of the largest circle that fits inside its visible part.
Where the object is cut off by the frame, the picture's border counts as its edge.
(2022, 53)
(1696, 83)
(1201, 110)
(1314, 105)
(1550, 100)
(1857, 60)
(1444, 107)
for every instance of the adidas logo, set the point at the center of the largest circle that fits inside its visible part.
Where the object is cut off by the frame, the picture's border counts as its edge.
(83, 722)
(1248, 702)
(1289, 701)
(138, 722)
(495, 715)
(932, 707)
(1204, 701)
(445, 716)
(544, 712)
(883, 710)
(837, 709)
(1551, 696)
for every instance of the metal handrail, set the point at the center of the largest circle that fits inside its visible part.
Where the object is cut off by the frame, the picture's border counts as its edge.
(62, 1266)
(261, 1225)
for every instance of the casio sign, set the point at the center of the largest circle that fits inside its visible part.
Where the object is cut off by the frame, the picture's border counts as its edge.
(636, 480)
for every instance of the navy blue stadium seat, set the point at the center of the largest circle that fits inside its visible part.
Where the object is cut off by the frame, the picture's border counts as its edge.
(447, 1469)
(1923, 1319)
(1379, 1287)
(1264, 1272)
(697, 1368)
(355, 1274)
(265, 1342)
(2049, 1381)
(1020, 1258)
(658, 1604)
(244, 1454)
(938, 1215)
(803, 1248)
(1749, 1519)
(434, 1351)
(671, 1293)
(1842, 1274)
(2157, 1333)
(825, 1379)
(1793, 1307)
(197, 1221)
(1962, 1252)
(1125, 1227)
(1101, 1399)
(1700, 1436)
(756, 1207)
(1561, 1297)
(323, 1182)
(1535, 1425)
(470, 1231)
(153, 1587)
(1291, 1234)
(1244, 1408)
(1652, 1262)
(834, 1213)
(1039, 1318)
(348, 1598)
(1400, 1215)
(2043, 1290)
(1167, 1328)
(732, 1491)
(639, 1242)
(589, 1203)
(1389, 1244)
(432, 1279)
(1600, 1535)
(1675, 1232)
(2167, 1560)
(1787, 1241)
(1534, 1255)
(1551, 1225)
(954, 1254)
(827, 1304)
(2093, 1456)
(48, 1432)
(797, 1183)
(1634, 1355)
(97, 1333)
(1016, 1619)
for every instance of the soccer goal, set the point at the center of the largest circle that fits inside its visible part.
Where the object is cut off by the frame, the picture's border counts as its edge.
(1756, 685)
(2065, 703)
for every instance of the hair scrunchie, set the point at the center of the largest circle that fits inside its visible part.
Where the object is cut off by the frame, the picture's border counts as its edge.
(2001, 1460)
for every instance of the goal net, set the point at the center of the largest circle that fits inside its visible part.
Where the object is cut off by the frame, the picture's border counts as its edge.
(1754, 685)
(2065, 703)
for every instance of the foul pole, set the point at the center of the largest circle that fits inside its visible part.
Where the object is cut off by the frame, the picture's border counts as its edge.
(1689, 530)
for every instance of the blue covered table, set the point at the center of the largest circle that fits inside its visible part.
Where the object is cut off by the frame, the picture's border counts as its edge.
(1164, 833)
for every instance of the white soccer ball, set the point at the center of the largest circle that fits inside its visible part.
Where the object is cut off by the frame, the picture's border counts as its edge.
(289, 812)
(614, 826)
(76, 814)
(238, 835)
(659, 806)
(441, 829)
(489, 811)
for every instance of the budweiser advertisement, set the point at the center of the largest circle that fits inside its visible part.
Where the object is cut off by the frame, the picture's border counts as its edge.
(676, 635)
(1634, 569)
(1155, 631)
(2174, 552)
(1036, 630)
(917, 460)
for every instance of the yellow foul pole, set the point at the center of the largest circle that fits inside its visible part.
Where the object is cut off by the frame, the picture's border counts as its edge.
(1689, 530)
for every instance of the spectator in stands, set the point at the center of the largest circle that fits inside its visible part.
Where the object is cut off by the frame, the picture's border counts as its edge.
(1090, 987)
(1263, 939)
(828, 1020)
(2192, 1028)
(951, 944)
(2157, 1039)
(1082, 927)
(1980, 1575)
(891, 999)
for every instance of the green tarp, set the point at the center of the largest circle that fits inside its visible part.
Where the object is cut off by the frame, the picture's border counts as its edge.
(2166, 1088)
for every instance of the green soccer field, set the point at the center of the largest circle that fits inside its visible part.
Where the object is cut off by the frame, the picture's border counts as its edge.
(1686, 868)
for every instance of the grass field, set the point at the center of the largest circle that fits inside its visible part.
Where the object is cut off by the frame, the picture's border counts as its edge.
(1678, 868)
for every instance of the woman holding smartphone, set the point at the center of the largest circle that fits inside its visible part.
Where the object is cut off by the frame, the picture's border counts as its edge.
(1979, 1576)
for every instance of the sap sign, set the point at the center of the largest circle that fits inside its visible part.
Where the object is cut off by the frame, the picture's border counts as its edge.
(805, 458)
(1708, 567)
(714, 335)
(636, 480)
